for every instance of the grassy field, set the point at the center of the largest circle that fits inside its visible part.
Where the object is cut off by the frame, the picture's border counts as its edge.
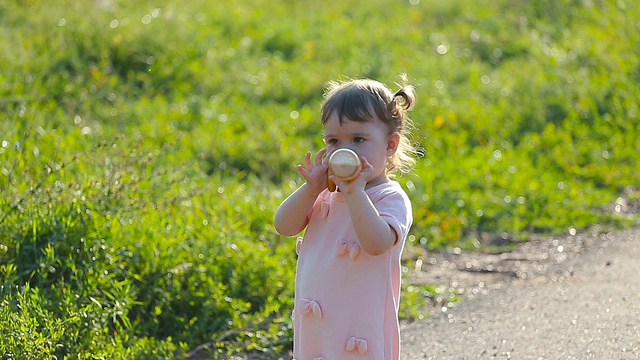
(144, 147)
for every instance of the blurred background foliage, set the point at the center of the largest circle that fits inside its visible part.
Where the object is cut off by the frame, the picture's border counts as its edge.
(144, 147)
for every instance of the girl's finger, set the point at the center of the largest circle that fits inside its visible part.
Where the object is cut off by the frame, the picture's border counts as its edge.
(303, 171)
(307, 160)
(319, 156)
(326, 153)
(365, 163)
(366, 167)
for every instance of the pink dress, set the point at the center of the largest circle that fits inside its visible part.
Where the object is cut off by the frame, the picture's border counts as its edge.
(346, 301)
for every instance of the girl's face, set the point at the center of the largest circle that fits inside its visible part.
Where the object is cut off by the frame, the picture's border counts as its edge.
(370, 139)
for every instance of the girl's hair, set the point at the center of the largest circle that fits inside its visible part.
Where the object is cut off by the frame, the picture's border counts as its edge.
(362, 99)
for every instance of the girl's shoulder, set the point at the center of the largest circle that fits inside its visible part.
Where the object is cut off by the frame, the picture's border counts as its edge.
(390, 188)
(385, 187)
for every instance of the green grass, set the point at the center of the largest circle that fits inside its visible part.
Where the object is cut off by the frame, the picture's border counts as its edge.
(144, 148)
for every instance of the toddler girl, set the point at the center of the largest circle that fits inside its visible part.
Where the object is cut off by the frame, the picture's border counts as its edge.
(348, 272)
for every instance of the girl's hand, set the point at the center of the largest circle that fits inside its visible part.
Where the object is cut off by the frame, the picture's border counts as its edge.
(316, 174)
(357, 184)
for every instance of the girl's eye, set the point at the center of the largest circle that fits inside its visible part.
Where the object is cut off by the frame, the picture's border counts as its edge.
(331, 141)
(358, 139)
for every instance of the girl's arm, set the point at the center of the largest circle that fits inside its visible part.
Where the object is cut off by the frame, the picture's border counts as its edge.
(291, 216)
(375, 234)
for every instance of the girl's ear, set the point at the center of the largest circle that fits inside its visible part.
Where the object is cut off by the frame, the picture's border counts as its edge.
(393, 143)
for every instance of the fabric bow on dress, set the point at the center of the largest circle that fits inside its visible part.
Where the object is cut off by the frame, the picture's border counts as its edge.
(299, 244)
(308, 306)
(355, 344)
(352, 248)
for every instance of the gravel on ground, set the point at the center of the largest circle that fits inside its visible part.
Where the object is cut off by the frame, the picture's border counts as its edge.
(573, 297)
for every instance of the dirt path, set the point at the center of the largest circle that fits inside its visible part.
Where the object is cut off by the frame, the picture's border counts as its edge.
(576, 297)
